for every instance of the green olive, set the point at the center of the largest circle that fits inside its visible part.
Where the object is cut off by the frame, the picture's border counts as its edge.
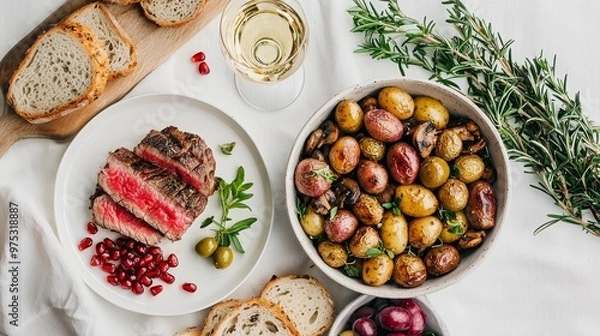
(223, 257)
(206, 247)
(434, 172)
(372, 149)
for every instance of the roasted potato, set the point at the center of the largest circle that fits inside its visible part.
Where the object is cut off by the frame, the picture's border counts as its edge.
(481, 207)
(434, 172)
(441, 260)
(378, 270)
(312, 223)
(333, 254)
(368, 210)
(344, 155)
(341, 227)
(409, 270)
(313, 177)
(424, 232)
(449, 145)
(396, 101)
(453, 195)
(371, 176)
(470, 168)
(364, 239)
(383, 126)
(372, 149)
(416, 200)
(403, 163)
(454, 229)
(394, 232)
(428, 108)
(349, 116)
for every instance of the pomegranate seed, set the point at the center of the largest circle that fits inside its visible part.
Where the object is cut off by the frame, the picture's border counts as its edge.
(95, 261)
(110, 244)
(203, 68)
(158, 258)
(153, 273)
(145, 280)
(130, 244)
(172, 260)
(155, 250)
(121, 274)
(115, 254)
(127, 263)
(141, 271)
(151, 265)
(100, 248)
(146, 259)
(189, 287)
(156, 290)
(163, 266)
(104, 257)
(141, 249)
(198, 57)
(92, 228)
(111, 279)
(85, 243)
(121, 241)
(137, 289)
(167, 277)
(136, 261)
(108, 268)
(126, 284)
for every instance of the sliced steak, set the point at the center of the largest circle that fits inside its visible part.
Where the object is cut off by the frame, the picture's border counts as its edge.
(159, 197)
(183, 153)
(110, 215)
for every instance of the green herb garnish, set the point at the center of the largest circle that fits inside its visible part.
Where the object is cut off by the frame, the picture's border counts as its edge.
(227, 148)
(394, 206)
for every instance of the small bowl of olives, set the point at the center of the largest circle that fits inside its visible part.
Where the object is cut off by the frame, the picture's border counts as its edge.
(397, 188)
(371, 316)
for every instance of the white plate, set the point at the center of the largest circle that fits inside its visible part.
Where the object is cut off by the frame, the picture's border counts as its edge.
(125, 124)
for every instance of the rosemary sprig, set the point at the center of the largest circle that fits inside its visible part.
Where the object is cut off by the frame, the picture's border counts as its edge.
(232, 196)
(541, 124)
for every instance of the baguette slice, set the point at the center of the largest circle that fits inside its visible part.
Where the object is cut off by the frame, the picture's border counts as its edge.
(172, 13)
(305, 300)
(256, 317)
(216, 314)
(65, 69)
(119, 47)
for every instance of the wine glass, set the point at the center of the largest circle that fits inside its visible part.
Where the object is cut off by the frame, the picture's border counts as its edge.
(264, 41)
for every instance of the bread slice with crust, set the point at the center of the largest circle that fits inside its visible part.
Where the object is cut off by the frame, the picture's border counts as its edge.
(305, 300)
(256, 317)
(216, 314)
(65, 69)
(172, 13)
(121, 51)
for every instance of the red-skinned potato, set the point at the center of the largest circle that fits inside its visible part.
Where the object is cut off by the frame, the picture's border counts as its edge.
(313, 177)
(481, 207)
(383, 125)
(403, 163)
(372, 176)
(342, 226)
(344, 155)
(441, 260)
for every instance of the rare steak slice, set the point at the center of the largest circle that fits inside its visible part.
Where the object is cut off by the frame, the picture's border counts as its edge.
(110, 215)
(157, 196)
(184, 153)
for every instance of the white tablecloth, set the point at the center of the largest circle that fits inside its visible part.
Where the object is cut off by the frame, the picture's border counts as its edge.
(528, 285)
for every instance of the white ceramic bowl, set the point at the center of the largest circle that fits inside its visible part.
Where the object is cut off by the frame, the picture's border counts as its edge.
(459, 106)
(433, 321)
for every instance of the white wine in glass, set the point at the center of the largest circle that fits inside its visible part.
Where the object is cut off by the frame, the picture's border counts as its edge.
(265, 41)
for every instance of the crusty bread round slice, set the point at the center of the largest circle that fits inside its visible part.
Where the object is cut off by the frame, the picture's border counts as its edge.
(172, 13)
(305, 300)
(65, 69)
(256, 317)
(121, 51)
(216, 314)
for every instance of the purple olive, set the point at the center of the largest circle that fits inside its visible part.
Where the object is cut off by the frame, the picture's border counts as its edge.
(394, 318)
(364, 311)
(364, 327)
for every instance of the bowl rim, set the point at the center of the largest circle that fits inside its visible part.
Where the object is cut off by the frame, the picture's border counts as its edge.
(425, 304)
(435, 284)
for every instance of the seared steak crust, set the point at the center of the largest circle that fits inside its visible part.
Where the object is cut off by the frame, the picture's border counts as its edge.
(184, 153)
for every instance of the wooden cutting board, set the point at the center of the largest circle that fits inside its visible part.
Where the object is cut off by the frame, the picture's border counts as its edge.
(155, 44)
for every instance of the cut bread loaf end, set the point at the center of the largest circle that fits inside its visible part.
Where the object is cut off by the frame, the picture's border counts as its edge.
(121, 51)
(256, 317)
(65, 69)
(216, 314)
(172, 13)
(305, 300)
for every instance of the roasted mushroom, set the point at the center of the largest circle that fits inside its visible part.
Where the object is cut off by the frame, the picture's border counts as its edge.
(424, 138)
(471, 239)
(327, 134)
(346, 191)
(324, 203)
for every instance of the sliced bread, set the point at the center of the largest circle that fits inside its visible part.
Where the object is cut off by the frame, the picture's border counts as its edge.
(171, 13)
(119, 47)
(216, 314)
(305, 300)
(65, 69)
(256, 317)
